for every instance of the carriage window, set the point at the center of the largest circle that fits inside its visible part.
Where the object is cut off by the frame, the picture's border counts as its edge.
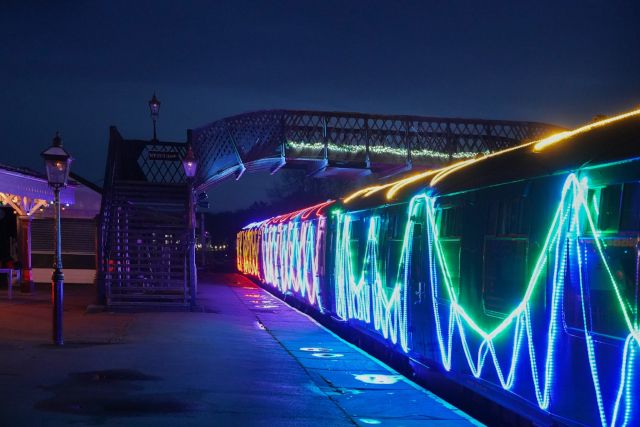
(393, 238)
(417, 262)
(450, 221)
(619, 207)
(630, 207)
(573, 299)
(416, 252)
(491, 223)
(357, 243)
(604, 311)
(513, 219)
(505, 274)
(593, 204)
(451, 253)
(609, 212)
(507, 217)
(397, 220)
(416, 234)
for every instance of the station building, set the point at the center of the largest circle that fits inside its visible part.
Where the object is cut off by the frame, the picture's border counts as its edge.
(26, 228)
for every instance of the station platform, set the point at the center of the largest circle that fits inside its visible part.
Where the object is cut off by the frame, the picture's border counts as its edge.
(245, 359)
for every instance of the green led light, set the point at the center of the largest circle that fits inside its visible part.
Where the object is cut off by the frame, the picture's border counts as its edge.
(383, 150)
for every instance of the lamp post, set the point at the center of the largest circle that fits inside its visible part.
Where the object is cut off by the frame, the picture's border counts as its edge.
(154, 108)
(57, 163)
(190, 165)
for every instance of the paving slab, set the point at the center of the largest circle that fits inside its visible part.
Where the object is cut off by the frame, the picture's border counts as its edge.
(246, 359)
(369, 391)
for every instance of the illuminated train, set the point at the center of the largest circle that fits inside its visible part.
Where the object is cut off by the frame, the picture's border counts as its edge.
(515, 274)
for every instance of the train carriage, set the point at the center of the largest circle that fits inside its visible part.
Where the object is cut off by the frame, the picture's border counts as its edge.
(515, 273)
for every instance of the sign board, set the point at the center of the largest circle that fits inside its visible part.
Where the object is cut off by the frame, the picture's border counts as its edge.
(163, 155)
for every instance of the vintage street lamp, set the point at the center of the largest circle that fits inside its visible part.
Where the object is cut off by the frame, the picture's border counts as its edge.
(190, 165)
(154, 108)
(57, 162)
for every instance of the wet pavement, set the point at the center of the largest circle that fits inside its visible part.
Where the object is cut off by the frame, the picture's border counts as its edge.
(246, 359)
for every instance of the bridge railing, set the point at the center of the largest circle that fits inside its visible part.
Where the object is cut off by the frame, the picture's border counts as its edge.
(265, 138)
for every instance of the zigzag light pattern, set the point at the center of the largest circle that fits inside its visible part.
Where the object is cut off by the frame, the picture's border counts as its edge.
(290, 254)
(285, 251)
(364, 295)
(563, 241)
(247, 246)
(367, 296)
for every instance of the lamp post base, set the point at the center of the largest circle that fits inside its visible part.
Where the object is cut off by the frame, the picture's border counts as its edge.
(58, 294)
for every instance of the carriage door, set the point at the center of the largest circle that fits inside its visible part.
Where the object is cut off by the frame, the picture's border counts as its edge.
(419, 304)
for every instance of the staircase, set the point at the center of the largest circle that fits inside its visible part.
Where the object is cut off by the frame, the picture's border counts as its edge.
(143, 233)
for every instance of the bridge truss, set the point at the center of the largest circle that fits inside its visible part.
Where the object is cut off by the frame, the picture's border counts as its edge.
(327, 143)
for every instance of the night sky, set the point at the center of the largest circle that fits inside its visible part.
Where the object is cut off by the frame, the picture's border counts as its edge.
(80, 66)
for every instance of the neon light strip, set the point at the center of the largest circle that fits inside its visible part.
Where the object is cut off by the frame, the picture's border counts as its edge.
(563, 242)
(362, 295)
(401, 184)
(284, 251)
(544, 143)
(367, 295)
(469, 159)
(376, 149)
(247, 244)
(538, 145)
(395, 185)
(290, 257)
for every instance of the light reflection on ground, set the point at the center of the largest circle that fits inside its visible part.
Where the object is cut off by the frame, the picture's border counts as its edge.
(327, 355)
(378, 378)
(316, 349)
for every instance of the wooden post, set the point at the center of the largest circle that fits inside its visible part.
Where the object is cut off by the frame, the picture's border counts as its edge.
(24, 239)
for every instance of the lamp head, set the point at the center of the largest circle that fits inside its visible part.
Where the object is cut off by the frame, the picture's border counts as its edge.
(57, 163)
(190, 163)
(154, 106)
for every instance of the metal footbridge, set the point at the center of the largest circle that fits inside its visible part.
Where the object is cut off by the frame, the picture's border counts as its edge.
(330, 143)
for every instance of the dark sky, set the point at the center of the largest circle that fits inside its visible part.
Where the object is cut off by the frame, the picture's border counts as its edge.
(80, 66)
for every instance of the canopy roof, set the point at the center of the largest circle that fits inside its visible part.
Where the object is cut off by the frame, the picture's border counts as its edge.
(24, 182)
